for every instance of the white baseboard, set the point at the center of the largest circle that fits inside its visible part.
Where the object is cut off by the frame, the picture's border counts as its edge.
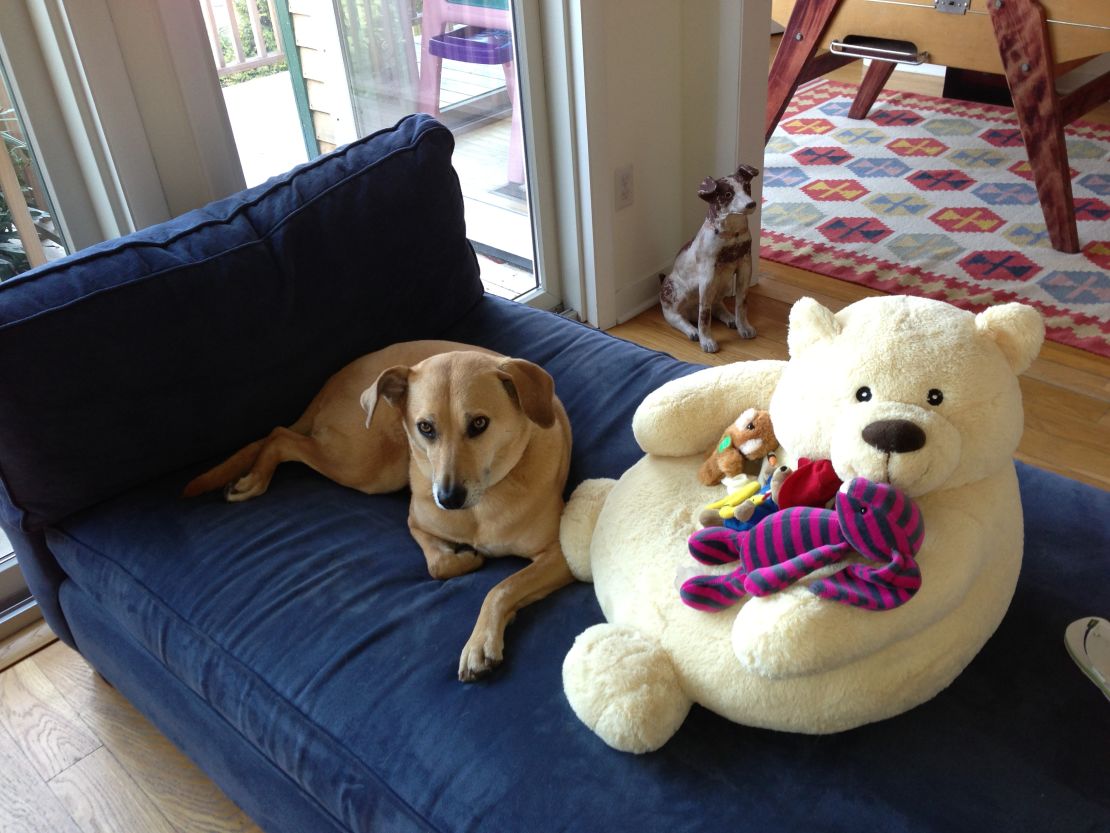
(639, 296)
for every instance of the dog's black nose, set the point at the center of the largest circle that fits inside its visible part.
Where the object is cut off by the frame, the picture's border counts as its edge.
(894, 436)
(450, 497)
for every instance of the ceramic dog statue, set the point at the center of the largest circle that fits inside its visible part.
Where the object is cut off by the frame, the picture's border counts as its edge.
(717, 263)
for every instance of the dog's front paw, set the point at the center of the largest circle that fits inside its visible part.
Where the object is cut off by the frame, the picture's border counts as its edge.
(481, 654)
(745, 330)
(456, 562)
(709, 345)
(246, 487)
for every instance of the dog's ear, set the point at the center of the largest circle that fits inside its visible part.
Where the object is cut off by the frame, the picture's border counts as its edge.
(708, 189)
(747, 173)
(531, 388)
(392, 385)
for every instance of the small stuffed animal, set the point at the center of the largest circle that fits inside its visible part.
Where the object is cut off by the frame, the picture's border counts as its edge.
(738, 455)
(873, 519)
(751, 510)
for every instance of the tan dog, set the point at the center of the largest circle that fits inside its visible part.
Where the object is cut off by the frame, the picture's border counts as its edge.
(481, 439)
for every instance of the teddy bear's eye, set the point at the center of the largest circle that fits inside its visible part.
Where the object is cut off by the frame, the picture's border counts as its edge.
(864, 394)
(862, 510)
(935, 397)
(751, 426)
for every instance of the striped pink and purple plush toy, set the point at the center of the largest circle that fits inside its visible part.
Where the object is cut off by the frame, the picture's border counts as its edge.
(871, 519)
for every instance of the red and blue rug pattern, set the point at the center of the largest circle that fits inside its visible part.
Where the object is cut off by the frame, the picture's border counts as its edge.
(934, 197)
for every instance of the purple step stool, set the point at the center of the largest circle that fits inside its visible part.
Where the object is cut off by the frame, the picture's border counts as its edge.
(475, 45)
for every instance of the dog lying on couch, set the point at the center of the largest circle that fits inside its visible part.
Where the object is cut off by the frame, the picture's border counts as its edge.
(480, 438)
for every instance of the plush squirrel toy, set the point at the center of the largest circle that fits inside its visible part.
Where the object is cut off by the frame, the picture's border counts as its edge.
(738, 456)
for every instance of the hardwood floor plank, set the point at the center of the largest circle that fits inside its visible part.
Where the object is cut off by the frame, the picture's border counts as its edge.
(102, 798)
(1042, 449)
(180, 791)
(41, 721)
(1070, 375)
(27, 804)
(25, 643)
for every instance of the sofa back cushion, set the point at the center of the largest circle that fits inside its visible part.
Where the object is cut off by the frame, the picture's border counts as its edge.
(182, 341)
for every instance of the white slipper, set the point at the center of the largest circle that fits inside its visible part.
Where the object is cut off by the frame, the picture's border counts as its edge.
(1088, 642)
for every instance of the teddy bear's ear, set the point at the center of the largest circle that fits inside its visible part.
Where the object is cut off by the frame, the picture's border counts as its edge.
(1017, 329)
(810, 323)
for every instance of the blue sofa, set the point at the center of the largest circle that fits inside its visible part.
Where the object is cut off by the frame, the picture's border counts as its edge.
(295, 647)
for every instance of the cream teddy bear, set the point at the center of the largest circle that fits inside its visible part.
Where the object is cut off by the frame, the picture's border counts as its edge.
(908, 391)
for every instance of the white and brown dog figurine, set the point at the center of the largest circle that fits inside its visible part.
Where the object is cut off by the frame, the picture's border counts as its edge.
(717, 263)
(480, 438)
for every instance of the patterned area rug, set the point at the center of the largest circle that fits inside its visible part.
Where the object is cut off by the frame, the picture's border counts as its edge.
(934, 197)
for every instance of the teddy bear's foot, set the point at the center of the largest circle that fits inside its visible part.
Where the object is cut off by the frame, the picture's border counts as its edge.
(576, 527)
(623, 685)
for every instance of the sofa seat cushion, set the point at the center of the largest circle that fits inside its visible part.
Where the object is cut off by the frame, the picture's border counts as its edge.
(307, 620)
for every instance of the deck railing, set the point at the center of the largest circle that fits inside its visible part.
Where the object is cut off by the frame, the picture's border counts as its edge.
(221, 17)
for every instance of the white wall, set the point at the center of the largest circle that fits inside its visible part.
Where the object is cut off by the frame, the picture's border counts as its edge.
(644, 111)
(663, 86)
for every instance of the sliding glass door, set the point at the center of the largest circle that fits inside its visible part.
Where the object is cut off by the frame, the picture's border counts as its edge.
(459, 61)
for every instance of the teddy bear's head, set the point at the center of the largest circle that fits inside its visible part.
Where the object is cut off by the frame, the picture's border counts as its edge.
(908, 391)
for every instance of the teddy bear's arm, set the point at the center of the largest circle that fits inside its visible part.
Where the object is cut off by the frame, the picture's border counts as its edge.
(795, 633)
(686, 416)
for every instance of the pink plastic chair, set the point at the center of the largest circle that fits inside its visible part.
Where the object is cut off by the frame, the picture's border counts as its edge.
(438, 15)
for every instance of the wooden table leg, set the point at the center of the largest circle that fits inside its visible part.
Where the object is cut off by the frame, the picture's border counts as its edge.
(799, 42)
(873, 82)
(1019, 27)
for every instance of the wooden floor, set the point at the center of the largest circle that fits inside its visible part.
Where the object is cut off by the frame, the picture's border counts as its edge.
(1066, 391)
(75, 756)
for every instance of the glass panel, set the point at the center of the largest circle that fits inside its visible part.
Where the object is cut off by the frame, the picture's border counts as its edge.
(455, 59)
(28, 234)
(258, 91)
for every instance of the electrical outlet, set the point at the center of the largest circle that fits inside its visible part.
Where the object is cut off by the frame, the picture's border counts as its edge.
(622, 196)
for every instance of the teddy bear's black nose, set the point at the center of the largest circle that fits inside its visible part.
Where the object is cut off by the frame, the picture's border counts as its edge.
(894, 436)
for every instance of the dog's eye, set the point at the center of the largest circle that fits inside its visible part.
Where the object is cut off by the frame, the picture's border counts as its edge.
(477, 426)
(751, 426)
(935, 397)
(426, 428)
(864, 394)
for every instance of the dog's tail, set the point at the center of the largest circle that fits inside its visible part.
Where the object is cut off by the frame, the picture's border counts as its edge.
(230, 469)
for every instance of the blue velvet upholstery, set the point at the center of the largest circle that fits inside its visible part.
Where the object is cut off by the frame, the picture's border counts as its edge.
(295, 646)
(232, 313)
